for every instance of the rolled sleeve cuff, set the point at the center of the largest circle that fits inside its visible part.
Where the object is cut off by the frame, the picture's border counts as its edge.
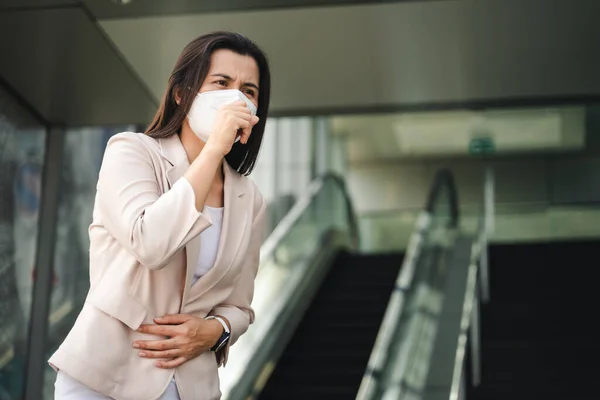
(239, 322)
(189, 197)
(161, 235)
(200, 221)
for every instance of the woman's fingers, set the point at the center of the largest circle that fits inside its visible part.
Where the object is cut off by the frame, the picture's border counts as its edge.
(156, 344)
(246, 132)
(243, 109)
(173, 319)
(243, 116)
(168, 364)
(162, 330)
(166, 354)
(232, 120)
(238, 107)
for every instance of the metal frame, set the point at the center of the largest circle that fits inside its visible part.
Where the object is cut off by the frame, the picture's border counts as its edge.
(321, 145)
(44, 260)
(503, 103)
(488, 229)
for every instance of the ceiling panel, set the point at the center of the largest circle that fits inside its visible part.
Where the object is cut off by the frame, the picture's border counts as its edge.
(61, 63)
(105, 9)
(334, 64)
(393, 56)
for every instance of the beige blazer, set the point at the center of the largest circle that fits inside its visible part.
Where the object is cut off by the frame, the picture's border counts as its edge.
(144, 248)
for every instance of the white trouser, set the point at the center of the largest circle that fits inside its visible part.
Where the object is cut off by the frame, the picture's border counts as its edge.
(67, 388)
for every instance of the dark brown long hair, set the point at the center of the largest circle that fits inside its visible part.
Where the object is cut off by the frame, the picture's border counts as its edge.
(190, 71)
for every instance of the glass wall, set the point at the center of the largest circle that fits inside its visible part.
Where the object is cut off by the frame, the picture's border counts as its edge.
(285, 165)
(83, 151)
(22, 145)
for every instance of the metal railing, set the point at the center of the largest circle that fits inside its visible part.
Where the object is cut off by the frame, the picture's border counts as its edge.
(289, 221)
(477, 292)
(443, 181)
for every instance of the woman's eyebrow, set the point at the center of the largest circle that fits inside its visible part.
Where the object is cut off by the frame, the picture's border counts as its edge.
(228, 78)
(224, 76)
(250, 84)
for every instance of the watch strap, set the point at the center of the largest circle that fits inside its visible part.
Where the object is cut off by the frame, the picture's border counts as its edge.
(224, 337)
(221, 320)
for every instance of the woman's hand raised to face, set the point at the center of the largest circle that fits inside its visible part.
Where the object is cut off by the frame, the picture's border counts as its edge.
(187, 338)
(231, 120)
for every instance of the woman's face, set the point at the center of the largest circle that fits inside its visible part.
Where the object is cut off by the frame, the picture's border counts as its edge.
(230, 70)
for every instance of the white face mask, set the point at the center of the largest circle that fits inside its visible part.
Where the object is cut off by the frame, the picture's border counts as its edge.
(204, 110)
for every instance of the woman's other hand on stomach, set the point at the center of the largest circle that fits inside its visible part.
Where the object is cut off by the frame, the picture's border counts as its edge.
(187, 337)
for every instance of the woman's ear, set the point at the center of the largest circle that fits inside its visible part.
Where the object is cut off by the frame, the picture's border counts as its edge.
(177, 96)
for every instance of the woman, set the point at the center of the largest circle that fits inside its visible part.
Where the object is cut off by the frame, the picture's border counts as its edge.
(175, 237)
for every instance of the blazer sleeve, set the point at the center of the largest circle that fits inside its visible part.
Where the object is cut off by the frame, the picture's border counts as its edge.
(237, 307)
(150, 225)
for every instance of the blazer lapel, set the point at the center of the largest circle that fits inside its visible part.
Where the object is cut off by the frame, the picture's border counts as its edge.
(234, 226)
(174, 152)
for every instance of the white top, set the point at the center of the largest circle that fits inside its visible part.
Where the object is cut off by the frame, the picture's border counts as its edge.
(66, 387)
(209, 242)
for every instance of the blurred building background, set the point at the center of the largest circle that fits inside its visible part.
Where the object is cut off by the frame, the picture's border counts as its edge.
(381, 93)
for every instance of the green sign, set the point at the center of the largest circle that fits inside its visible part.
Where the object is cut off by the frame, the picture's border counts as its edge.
(481, 145)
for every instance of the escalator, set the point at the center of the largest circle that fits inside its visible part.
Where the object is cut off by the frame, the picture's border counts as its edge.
(334, 323)
(539, 339)
(329, 351)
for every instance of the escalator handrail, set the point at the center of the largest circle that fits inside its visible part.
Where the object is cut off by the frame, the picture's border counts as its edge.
(477, 292)
(291, 218)
(443, 179)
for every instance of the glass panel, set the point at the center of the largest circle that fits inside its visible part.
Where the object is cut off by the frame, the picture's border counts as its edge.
(387, 231)
(22, 145)
(281, 273)
(425, 298)
(84, 149)
(283, 170)
(406, 368)
(514, 223)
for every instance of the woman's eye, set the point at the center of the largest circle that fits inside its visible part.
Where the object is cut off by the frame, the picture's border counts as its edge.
(221, 83)
(250, 92)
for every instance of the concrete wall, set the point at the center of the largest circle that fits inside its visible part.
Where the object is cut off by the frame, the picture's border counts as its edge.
(538, 197)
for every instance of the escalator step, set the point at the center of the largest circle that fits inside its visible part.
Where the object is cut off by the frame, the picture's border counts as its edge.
(330, 392)
(328, 353)
(539, 339)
